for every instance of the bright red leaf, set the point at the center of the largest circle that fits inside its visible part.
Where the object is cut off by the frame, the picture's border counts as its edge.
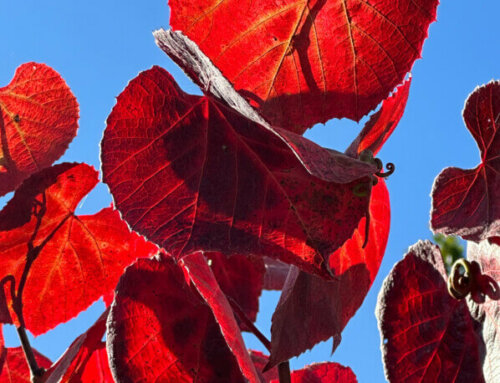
(85, 360)
(82, 257)
(428, 336)
(303, 62)
(13, 365)
(488, 313)
(191, 174)
(326, 372)
(240, 278)
(204, 280)
(160, 329)
(38, 120)
(467, 202)
(381, 125)
(260, 361)
(323, 373)
(311, 309)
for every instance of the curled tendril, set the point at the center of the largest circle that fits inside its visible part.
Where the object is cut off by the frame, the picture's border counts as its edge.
(390, 169)
(459, 285)
(367, 156)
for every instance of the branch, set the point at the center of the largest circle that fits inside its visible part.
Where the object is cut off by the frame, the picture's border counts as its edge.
(284, 372)
(239, 312)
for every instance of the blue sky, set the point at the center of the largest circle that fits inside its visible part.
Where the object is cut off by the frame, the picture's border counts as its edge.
(98, 46)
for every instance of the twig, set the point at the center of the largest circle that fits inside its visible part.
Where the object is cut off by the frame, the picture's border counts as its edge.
(284, 372)
(237, 309)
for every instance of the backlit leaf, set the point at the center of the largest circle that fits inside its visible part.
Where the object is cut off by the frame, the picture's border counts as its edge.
(191, 174)
(204, 280)
(38, 120)
(323, 373)
(240, 278)
(81, 257)
(303, 62)
(311, 309)
(161, 329)
(13, 365)
(381, 125)
(427, 336)
(86, 360)
(467, 202)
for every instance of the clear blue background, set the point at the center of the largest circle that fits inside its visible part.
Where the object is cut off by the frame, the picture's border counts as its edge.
(98, 46)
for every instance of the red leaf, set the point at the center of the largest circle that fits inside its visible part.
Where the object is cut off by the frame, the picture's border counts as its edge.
(240, 278)
(311, 309)
(82, 257)
(488, 313)
(206, 284)
(428, 336)
(260, 361)
(209, 179)
(307, 62)
(276, 273)
(13, 365)
(38, 120)
(160, 328)
(381, 125)
(327, 372)
(85, 360)
(467, 202)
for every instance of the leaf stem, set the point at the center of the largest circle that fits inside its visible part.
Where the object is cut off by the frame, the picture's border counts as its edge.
(284, 372)
(28, 353)
(243, 317)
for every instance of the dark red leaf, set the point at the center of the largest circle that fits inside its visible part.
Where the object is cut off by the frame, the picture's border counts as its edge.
(82, 257)
(241, 278)
(488, 257)
(307, 62)
(326, 164)
(276, 273)
(381, 125)
(428, 336)
(327, 372)
(85, 360)
(204, 280)
(210, 179)
(311, 309)
(159, 328)
(467, 202)
(38, 120)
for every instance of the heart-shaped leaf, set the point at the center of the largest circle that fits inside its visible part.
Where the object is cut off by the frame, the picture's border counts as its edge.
(38, 120)
(80, 257)
(191, 174)
(467, 202)
(427, 335)
(303, 62)
(311, 309)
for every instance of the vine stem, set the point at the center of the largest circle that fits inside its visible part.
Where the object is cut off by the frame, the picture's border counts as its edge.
(243, 317)
(283, 367)
(284, 372)
(17, 296)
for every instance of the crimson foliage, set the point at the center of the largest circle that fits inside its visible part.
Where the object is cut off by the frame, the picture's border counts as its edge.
(231, 200)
